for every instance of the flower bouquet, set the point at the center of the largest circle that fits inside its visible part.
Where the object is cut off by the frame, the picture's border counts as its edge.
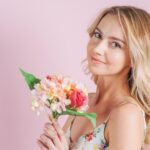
(58, 95)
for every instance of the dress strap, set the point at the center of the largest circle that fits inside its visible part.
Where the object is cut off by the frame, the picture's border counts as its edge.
(71, 128)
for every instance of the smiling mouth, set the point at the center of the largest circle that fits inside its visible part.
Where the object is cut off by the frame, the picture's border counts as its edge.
(94, 60)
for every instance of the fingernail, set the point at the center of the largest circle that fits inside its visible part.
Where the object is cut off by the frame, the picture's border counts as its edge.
(38, 142)
(45, 129)
(50, 120)
(48, 125)
(55, 123)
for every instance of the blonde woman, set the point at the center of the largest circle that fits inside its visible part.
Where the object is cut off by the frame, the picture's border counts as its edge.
(118, 56)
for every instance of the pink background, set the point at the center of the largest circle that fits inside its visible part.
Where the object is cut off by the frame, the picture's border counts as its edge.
(40, 36)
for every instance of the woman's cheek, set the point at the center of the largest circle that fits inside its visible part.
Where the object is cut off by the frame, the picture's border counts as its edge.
(116, 58)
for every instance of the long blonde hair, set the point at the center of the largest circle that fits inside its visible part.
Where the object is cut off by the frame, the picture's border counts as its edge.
(135, 23)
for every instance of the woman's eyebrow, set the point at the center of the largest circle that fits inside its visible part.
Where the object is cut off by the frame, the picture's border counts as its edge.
(111, 37)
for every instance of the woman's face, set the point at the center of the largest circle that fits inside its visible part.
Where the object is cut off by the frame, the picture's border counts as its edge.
(108, 45)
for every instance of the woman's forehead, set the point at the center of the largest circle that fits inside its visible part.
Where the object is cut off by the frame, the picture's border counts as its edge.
(111, 27)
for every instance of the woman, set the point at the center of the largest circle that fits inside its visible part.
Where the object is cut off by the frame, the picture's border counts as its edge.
(118, 55)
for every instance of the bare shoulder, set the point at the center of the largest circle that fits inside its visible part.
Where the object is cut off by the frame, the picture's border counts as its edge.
(129, 107)
(127, 112)
(126, 127)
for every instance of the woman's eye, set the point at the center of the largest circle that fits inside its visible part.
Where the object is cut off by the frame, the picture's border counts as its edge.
(115, 44)
(97, 35)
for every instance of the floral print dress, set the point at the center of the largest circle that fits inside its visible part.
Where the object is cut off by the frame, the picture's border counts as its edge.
(94, 140)
(91, 141)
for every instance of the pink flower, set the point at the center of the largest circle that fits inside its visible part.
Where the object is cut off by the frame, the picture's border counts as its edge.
(78, 98)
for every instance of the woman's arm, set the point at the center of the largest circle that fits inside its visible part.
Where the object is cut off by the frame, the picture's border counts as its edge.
(126, 128)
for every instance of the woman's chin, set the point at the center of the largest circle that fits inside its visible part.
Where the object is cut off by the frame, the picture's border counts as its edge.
(94, 70)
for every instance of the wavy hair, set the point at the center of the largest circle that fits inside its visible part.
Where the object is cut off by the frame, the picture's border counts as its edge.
(135, 23)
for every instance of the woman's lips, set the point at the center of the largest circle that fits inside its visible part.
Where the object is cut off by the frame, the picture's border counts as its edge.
(97, 61)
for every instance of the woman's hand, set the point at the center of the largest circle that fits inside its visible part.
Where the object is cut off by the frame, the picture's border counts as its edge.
(53, 138)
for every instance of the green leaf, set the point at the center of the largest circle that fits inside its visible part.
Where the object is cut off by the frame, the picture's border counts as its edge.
(30, 79)
(90, 116)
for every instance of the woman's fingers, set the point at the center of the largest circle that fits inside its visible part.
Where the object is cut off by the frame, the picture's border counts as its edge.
(47, 143)
(53, 138)
(51, 133)
(42, 145)
(59, 131)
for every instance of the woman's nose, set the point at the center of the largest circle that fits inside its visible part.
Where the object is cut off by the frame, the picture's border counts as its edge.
(101, 47)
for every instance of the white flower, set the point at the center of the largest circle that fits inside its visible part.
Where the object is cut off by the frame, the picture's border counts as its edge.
(53, 106)
(67, 101)
(35, 103)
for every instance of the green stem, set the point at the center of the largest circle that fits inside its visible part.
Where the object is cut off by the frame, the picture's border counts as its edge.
(90, 116)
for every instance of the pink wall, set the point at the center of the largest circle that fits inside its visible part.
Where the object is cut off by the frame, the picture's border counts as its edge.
(41, 36)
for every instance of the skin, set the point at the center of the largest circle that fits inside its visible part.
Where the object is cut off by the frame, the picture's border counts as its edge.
(115, 55)
(114, 86)
(53, 137)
